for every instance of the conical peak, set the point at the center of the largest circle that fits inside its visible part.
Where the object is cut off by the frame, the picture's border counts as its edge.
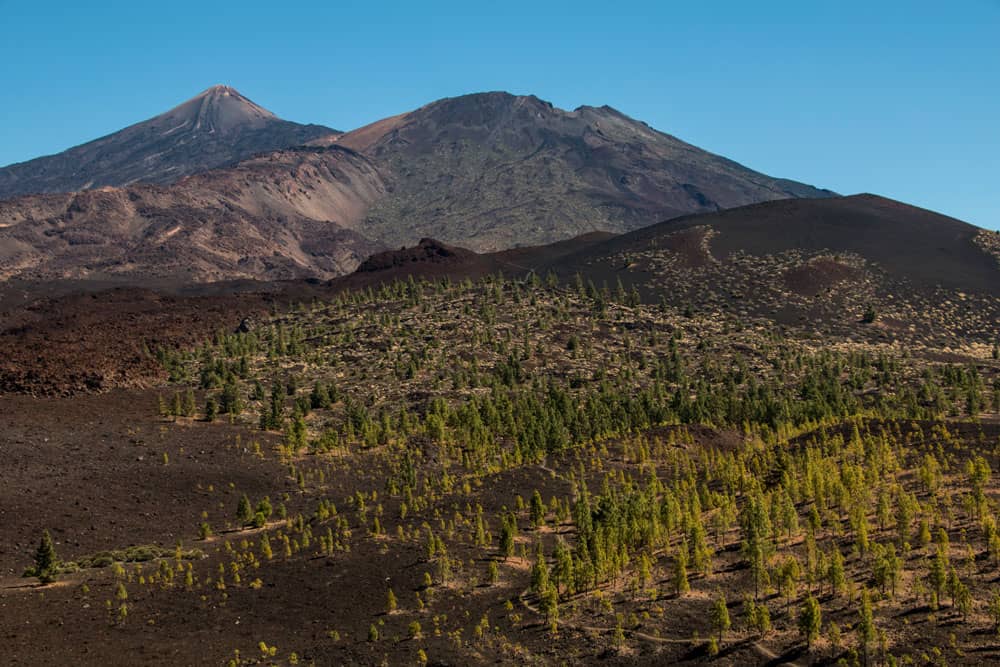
(221, 90)
(221, 108)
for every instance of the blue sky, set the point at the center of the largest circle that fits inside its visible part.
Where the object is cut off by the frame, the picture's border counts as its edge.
(896, 98)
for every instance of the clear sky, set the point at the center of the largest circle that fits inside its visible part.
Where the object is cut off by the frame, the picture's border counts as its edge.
(900, 98)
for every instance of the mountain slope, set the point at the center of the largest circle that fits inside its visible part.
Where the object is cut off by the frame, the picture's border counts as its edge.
(487, 171)
(494, 170)
(923, 247)
(862, 267)
(811, 261)
(813, 265)
(215, 128)
(282, 215)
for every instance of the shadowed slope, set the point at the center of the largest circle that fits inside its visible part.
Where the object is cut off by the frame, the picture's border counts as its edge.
(828, 264)
(926, 248)
(494, 170)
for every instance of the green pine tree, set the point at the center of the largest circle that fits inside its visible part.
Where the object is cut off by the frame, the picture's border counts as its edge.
(810, 620)
(720, 615)
(244, 512)
(46, 562)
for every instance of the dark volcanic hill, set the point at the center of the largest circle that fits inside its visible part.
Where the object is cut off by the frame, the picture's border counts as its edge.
(821, 262)
(216, 128)
(756, 259)
(812, 264)
(494, 170)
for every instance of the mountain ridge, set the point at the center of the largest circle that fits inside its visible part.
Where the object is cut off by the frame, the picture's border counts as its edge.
(486, 171)
(592, 169)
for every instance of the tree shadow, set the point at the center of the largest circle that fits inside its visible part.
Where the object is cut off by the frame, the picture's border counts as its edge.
(790, 655)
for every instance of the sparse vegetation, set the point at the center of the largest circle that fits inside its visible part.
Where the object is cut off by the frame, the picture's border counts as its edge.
(517, 453)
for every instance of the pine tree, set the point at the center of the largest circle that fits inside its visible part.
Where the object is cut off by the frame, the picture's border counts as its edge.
(866, 626)
(788, 577)
(189, 403)
(834, 636)
(211, 409)
(507, 532)
(810, 620)
(701, 555)
(320, 396)
(681, 584)
(244, 512)
(938, 575)
(720, 615)
(755, 526)
(391, 602)
(619, 635)
(46, 562)
(537, 510)
(758, 616)
(562, 571)
(264, 507)
(539, 572)
(550, 606)
(963, 600)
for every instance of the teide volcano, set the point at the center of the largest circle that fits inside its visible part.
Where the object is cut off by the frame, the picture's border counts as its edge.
(215, 128)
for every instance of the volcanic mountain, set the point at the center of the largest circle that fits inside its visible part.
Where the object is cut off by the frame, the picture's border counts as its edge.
(495, 170)
(215, 128)
(486, 171)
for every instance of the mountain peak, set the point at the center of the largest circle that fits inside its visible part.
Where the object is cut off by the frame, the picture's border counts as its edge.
(216, 127)
(219, 108)
(219, 89)
(490, 102)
